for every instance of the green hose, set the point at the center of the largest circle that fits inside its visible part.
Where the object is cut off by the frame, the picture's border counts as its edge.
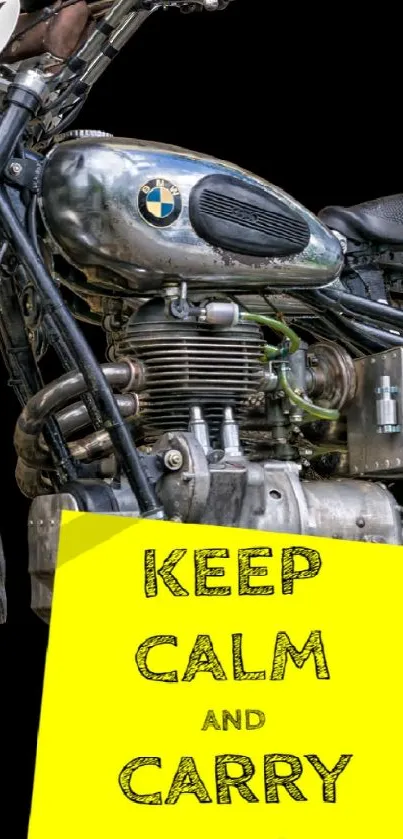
(314, 410)
(270, 352)
(276, 326)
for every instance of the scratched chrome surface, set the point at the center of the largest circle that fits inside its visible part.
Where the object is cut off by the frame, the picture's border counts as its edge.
(89, 204)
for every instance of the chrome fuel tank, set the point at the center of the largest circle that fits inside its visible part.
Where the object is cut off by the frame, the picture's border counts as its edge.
(146, 213)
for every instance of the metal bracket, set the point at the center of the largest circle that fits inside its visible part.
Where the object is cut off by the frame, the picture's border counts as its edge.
(153, 467)
(25, 173)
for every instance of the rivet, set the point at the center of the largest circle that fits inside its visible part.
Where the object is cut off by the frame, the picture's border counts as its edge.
(16, 168)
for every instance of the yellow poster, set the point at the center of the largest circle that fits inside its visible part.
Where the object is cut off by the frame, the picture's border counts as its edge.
(205, 681)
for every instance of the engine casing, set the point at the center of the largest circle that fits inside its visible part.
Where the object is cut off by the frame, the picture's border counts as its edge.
(269, 497)
(142, 213)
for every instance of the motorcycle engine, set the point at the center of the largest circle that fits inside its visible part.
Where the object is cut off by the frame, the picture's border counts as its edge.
(233, 441)
(190, 265)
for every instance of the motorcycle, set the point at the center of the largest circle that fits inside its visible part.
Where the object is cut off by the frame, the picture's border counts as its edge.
(254, 351)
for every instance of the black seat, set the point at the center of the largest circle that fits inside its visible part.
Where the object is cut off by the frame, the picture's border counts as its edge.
(378, 221)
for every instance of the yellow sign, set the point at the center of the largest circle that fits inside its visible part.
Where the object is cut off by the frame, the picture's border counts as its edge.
(213, 682)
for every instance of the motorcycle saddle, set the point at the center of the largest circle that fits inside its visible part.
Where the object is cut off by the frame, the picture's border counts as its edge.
(380, 220)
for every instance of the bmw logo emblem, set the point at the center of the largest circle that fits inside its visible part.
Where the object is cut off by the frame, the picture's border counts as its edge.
(159, 202)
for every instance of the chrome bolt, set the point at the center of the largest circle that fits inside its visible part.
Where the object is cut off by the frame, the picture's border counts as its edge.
(173, 460)
(15, 168)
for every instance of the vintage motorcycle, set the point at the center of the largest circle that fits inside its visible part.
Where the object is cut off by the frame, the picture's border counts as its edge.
(255, 352)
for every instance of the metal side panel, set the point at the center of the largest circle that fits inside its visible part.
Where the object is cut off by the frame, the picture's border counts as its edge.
(375, 420)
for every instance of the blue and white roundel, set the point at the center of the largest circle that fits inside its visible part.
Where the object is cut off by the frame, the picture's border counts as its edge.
(159, 202)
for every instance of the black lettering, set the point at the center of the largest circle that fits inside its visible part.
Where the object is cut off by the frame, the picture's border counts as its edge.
(235, 721)
(203, 659)
(240, 674)
(289, 574)
(252, 726)
(272, 780)
(150, 574)
(284, 647)
(246, 570)
(224, 781)
(202, 572)
(126, 775)
(329, 776)
(142, 655)
(187, 781)
(165, 572)
(211, 722)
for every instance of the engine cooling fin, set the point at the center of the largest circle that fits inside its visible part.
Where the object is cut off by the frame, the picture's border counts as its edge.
(189, 364)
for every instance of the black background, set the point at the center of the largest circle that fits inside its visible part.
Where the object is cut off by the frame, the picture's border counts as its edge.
(310, 100)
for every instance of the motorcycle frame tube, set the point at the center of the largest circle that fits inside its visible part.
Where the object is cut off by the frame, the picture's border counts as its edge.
(85, 361)
(362, 306)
